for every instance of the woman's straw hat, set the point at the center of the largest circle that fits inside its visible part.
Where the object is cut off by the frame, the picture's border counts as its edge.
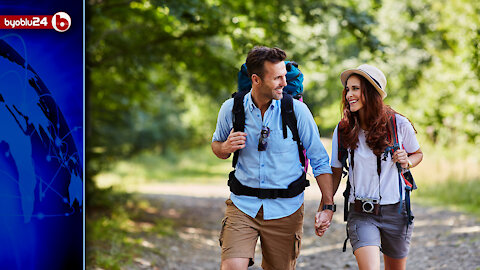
(372, 74)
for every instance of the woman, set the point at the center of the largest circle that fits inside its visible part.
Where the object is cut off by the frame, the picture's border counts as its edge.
(377, 217)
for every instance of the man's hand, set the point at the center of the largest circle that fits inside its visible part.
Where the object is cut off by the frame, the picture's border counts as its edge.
(323, 218)
(236, 140)
(322, 221)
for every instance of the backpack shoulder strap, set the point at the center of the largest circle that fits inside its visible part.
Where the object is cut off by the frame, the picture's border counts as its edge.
(342, 152)
(238, 114)
(406, 176)
(342, 157)
(289, 119)
(393, 125)
(394, 138)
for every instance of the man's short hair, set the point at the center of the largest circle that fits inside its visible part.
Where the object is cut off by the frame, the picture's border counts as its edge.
(257, 57)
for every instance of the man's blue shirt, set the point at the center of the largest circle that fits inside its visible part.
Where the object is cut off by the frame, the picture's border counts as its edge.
(279, 165)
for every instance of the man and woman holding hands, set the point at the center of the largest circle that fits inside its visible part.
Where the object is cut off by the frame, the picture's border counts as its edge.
(267, 169)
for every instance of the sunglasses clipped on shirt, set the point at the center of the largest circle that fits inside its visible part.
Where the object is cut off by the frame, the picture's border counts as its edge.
(262, 141)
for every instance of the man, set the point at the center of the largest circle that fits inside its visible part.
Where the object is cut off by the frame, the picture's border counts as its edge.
(268, 161)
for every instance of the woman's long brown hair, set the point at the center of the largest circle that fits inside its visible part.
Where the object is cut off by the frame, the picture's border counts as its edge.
(378, 131)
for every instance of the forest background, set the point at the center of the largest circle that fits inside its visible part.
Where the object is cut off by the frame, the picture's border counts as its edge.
(157, 73)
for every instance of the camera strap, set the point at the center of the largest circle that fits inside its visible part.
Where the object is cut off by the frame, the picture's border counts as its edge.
(379, 171)
(346, 193)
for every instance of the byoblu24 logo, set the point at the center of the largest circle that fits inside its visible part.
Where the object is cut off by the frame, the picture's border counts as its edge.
(61, 21)
(26, 22)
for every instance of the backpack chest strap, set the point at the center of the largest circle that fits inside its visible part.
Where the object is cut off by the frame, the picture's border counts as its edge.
(294, 188)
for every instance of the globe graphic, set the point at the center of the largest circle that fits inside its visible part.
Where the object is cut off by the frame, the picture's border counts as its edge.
(41, 188)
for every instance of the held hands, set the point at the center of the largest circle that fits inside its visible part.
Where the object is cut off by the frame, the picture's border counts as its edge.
(322, 221)
(235, 141)
(401, 157)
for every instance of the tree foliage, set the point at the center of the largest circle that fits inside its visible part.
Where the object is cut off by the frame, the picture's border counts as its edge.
(157, 71)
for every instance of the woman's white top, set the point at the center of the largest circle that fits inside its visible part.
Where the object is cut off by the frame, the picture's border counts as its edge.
(364, 177)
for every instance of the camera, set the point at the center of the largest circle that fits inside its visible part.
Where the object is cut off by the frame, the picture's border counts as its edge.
(367, 205)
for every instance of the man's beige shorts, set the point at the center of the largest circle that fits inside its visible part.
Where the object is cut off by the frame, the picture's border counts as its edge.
(280, 238)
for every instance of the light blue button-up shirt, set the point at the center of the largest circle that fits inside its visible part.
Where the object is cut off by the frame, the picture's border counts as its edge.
(279, 165)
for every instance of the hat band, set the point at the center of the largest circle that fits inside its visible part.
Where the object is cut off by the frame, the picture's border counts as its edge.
(378, 84)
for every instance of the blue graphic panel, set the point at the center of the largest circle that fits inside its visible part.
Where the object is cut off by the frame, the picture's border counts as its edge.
(41, 141)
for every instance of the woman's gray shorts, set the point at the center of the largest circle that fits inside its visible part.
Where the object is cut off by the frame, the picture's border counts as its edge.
(388, 230)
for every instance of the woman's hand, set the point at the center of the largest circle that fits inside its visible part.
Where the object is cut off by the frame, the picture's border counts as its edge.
(401, 157)
(322, 221)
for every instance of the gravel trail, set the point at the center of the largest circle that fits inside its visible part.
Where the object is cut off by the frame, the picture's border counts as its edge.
(441, 239)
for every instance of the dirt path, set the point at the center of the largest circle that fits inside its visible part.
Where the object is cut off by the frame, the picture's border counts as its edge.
(442, 239)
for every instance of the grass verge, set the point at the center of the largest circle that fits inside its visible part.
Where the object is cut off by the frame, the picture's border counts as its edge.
(117, 227)
(458, 195)
(197, 166)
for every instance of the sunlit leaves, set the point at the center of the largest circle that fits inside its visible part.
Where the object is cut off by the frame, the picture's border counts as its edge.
(155, 62)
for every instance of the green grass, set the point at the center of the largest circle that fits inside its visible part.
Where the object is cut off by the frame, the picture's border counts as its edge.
(458, 195)
(449, 177)
(443, 163)
(108, 243)
(193, 166)
(116, 228)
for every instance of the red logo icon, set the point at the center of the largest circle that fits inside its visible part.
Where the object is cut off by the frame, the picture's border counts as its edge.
(61, 21)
